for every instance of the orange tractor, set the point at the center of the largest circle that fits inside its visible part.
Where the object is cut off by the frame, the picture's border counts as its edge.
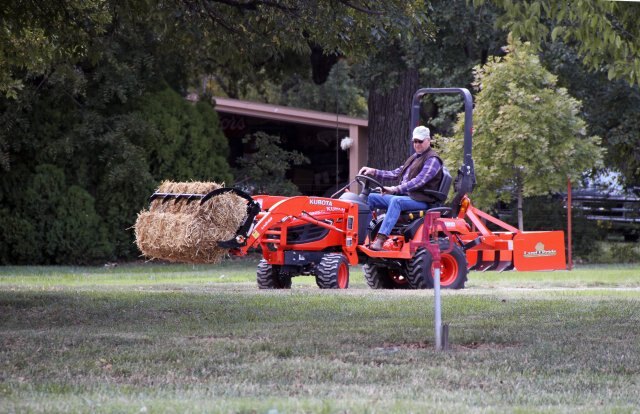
(323, 236)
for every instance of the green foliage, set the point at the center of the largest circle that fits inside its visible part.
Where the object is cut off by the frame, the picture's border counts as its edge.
(616, 253)
(339, 94)
(466, 36)
(263, 170)
(34, 38)
(54, 223)
(82, 87)
(528, 135)
(183, 140)
(611, 108)
(605, 33)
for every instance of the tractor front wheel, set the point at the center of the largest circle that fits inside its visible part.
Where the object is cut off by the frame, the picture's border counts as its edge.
(269, 277)
(332, 272)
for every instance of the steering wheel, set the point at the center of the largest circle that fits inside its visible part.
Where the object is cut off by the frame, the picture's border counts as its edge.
(368, 184)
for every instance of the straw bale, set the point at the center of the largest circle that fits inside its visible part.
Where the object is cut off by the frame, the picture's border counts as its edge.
(189, 232)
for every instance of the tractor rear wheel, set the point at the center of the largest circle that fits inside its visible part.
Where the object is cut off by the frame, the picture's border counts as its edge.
(269, 277)
(332, 272)
(453, 269)
(381, 277)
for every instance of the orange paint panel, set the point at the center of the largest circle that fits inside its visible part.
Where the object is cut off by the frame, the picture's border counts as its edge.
(488, 255)
(539, 250)
(472, 257)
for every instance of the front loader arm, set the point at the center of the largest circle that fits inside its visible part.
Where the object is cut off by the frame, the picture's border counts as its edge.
(334, 215)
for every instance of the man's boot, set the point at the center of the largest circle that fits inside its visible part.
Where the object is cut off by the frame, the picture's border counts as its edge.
(378, 242)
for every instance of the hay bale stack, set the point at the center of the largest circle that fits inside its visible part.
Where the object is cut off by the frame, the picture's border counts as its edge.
(188, 232)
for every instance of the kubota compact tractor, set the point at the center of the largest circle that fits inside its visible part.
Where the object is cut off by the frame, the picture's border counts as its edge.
(322, 236)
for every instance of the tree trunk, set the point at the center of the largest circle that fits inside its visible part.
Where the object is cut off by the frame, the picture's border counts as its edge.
(389, 119)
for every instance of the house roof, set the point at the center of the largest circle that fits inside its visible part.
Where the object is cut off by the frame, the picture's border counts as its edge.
(285, 113)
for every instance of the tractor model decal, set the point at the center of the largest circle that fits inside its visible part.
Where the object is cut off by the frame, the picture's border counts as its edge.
(320, 202)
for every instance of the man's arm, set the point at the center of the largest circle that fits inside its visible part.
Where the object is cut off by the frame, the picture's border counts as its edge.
(387, 174)
(429, 170)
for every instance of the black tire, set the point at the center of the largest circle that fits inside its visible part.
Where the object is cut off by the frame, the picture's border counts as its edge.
(269, 277)
(332, 272)
(453, 268)
(381, 277)
(419, 270)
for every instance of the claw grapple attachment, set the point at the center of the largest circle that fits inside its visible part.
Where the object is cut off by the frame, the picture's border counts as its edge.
(185, 222)
(253, 208)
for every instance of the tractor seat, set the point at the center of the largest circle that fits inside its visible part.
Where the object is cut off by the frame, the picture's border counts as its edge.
(441, 195)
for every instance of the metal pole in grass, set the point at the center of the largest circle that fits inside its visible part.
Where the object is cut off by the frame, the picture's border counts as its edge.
(430, 241)
(437, 304)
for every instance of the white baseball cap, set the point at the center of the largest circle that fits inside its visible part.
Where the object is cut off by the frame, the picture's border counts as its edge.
(421, 133)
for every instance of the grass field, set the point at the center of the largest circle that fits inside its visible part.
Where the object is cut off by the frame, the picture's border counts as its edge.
(154, 338)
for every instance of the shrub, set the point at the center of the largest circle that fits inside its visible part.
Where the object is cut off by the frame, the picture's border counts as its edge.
(183, 140)
(53, 223)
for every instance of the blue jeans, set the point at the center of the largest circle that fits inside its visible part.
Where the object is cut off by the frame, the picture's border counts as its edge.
(394, 205)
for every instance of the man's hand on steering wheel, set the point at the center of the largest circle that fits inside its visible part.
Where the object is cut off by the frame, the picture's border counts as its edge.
(367, 183)
(367, 171)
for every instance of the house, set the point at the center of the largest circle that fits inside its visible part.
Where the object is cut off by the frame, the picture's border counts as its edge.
(317, 135)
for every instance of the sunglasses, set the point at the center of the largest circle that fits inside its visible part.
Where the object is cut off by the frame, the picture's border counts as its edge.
(417, 141)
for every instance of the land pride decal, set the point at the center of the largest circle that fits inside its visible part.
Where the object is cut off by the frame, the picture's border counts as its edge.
(540, 252)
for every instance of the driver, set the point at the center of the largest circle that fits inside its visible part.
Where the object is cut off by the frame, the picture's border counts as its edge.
(422, 171)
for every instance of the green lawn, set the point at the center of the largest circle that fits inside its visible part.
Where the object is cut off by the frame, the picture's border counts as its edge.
(156, 338)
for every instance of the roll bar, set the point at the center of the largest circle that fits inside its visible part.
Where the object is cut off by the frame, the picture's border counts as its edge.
(466, 174)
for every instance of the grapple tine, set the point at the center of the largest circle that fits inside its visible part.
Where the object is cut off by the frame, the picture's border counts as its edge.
(177, 196)
(253, 208)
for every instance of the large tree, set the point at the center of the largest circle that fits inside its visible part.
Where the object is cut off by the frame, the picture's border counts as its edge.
(464, 37)
(604, 36)
(610, 107)
(605, 33)
(528, 133)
